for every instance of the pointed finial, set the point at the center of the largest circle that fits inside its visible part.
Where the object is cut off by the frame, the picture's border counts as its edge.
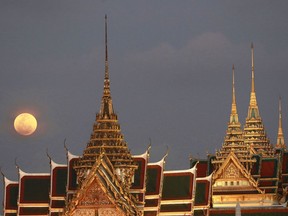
(149, 146)
(234, 114)
(280, 110)
(106, 78)
(167, 152)
(47, 153)
(2, 172)
(253, 101)
(65, 146)
(16, 164)
(280, 137)
(106, 110)
(233, 86)
(253, 69)
(106, 50)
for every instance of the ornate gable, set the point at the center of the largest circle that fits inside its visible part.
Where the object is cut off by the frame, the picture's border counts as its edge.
(95, 196)
(231, 171)
(232, 175)
(102, 193)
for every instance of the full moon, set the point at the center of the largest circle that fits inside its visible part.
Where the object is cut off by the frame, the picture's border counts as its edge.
(25, 124)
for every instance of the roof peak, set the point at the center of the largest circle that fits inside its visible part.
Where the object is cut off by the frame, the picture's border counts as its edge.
(106, 110)
(233, 115)
(253, 111)
(280, 137)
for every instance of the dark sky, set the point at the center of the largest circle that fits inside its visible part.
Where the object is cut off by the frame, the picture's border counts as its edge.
(170, 69)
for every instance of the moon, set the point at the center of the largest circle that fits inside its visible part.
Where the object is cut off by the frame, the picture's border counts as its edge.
(25, 124)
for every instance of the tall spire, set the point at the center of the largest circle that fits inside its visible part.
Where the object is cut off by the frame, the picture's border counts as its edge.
(106, 110)
(253, 101)
(107, 137)
(254, 133)
(253, 69)
(106, 51)
(280, 138)
(233, 140)
(234, 114)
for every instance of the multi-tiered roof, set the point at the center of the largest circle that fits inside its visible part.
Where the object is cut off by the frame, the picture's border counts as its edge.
(106, 136)
(234, 141)
(254, 132)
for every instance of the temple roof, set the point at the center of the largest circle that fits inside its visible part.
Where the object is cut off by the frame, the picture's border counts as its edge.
(254, 132)
(106, 134)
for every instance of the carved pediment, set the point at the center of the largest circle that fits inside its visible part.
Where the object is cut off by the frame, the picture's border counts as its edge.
(95, 196)
(231, 168)
(231, 172)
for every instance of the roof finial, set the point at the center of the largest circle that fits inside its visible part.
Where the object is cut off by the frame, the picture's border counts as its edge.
(106, 109)
(233, 90)
(106, 78)
(253, 101)
(253, 69)
(106, 50)
(280, 137)
(234, 114)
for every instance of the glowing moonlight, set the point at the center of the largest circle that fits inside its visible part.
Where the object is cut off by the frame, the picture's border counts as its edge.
(25, 124)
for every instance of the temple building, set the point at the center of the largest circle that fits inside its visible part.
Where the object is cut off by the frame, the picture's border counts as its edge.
(247, 176)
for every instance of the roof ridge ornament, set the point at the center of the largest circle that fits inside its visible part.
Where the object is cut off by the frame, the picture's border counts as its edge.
(234, 114)
(106, 110)
(280, 137)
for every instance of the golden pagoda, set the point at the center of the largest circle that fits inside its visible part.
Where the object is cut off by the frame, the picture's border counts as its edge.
(106, 136)
(280, 144)
(254, 133)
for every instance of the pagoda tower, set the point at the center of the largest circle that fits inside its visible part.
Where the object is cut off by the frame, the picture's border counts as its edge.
(107, 137)
(234, 141)
(254, 133)
(280, 137)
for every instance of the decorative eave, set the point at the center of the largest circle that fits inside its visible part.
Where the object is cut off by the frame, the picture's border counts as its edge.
(8, 182)
(22, 174)
(145, 155)
(71, 156)
(54, 165)
(191, 170)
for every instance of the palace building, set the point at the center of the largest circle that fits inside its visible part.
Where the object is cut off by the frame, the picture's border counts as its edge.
(247, 176)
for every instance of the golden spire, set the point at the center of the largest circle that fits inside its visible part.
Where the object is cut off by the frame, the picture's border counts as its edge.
(280, 138)
(253, 69)
(107, 137)
(254, 132)
(253, 111)
(234, 114)
(106, 52)
(106, 110)
(253, 101)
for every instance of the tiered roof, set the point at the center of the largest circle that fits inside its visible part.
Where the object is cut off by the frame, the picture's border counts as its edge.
(234, 140)
(254, 133)
(106, 135)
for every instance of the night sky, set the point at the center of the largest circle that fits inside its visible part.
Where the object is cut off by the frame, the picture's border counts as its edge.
(170, 70)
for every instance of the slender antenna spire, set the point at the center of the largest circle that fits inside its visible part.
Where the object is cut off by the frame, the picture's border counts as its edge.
(280, 138)
(253, 69)
(280, 113)
(234, 109)
(106, 79)
(234, 114)
(253, 101)
(106, 109)
(106, 51)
